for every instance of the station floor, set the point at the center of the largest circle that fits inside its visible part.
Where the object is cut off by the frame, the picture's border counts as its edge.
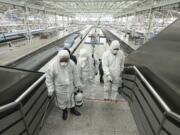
(98, 117)
(22, 48)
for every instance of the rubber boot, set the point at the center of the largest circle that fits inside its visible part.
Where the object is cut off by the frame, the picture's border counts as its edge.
(101, 79)
(65, 114)
(73, 111)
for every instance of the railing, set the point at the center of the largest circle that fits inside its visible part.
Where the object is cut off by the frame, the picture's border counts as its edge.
(25, 109)
(167, 110)
(22, 96)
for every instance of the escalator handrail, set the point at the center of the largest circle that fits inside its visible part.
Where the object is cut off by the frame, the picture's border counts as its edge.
(167, 109)
(23, 95)
(160, 100)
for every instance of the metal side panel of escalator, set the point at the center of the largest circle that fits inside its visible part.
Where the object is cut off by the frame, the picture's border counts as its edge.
(23, 102)
(152, 115)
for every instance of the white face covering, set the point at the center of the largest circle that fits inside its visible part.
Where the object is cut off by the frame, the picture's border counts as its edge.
(115, 52)
(63, 64)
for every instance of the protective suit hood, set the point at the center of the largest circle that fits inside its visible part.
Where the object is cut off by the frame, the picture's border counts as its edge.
(114, 45)
(63, 54)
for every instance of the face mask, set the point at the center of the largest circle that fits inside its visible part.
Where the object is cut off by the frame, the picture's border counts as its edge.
(63, 64)
(115, 52)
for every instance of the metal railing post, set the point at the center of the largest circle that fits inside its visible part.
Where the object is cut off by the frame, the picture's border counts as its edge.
(161, 124)
(24, 120)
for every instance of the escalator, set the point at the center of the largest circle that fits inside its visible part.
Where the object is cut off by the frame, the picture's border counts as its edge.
(151, 82)
(23, 101)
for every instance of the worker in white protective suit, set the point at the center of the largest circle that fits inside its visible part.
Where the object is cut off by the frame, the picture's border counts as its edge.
(113, 65)
(62, 78)
(86, 73)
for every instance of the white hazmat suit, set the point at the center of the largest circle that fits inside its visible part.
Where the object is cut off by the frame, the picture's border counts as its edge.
(61, 78)
(113, 65)
(86, 72)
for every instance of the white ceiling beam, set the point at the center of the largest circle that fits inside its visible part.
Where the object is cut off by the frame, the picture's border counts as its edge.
(91, 1)
(145, 8)
(91, 11)
(35, 7)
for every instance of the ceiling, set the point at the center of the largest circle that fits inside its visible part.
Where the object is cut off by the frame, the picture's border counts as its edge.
(74, 7)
